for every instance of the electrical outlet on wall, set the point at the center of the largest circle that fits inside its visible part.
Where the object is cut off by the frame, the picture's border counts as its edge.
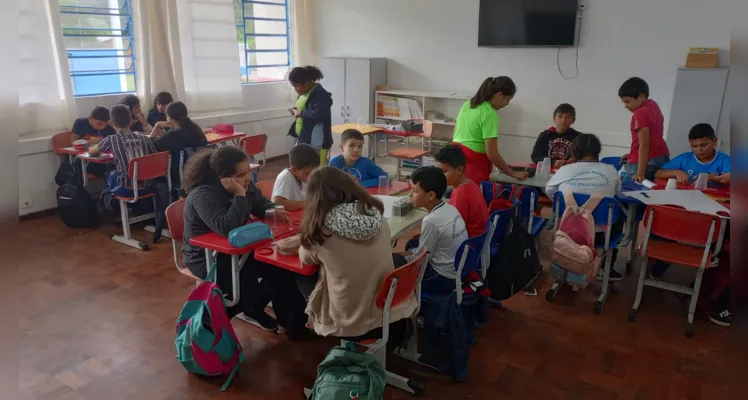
(27, 202)
(583, 5)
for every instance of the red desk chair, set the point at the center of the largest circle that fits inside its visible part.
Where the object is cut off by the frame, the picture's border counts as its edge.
(143, 168)
(175, 219)
(689, 237)
(398, 286)
(254, 145)
(60, 141)
(266, 187)
(407, 153)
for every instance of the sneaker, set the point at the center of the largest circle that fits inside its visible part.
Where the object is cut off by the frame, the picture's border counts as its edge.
(658, 271)
(615, 276)
(721, 318)
(261, 320)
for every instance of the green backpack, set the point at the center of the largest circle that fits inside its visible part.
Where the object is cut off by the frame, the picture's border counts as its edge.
(346, 374)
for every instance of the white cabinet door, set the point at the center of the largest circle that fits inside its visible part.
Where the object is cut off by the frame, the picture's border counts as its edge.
(334, 82)
(358, 92)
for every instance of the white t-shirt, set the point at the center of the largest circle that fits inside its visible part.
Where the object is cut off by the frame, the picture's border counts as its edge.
(442, 232)
(288, 187)
(586, 177)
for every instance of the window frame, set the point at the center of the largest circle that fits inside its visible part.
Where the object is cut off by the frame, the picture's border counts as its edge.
(126, 32)
(249, 67)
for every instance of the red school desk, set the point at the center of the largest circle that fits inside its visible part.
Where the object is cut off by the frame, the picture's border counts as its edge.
(72, 153)
(218, 137)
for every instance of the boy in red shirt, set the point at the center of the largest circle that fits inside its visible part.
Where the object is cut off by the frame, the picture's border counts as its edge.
(466, 197)
(648, 148)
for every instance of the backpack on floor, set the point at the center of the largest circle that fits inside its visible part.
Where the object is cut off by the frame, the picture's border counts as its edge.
(76, 207)
(206, 343)
(516, 265)
(346, 374)
(573, 246)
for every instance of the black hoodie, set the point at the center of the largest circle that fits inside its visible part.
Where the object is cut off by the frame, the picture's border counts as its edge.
(553, 145)
(316, 125)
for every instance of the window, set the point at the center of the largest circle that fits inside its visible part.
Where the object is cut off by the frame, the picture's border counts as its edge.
(99, 43)
(262, 30)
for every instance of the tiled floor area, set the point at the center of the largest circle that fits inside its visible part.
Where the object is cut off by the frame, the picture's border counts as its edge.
(98, 322)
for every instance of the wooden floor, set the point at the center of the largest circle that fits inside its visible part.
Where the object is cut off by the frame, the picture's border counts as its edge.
(98, 322)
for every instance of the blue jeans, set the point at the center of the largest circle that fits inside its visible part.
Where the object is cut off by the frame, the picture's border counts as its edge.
(118, 189)
(432, 281)
(653, 166)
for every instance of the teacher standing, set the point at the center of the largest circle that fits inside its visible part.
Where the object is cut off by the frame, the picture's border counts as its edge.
(477, 129)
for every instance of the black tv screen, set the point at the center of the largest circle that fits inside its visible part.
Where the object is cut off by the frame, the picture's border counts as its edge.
(549, 23)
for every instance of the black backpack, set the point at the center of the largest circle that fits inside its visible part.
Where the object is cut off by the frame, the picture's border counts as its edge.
(516, 265)
(77, 208)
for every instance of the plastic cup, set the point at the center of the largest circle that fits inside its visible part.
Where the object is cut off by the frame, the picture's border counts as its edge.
(384, 182)
(701, 181)
(672, 184)
(270, 217)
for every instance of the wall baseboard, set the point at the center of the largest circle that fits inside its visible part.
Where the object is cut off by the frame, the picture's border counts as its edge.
(38, 214)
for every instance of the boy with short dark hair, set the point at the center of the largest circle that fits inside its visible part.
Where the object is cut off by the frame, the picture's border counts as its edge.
(648, 148)
(125, 145)
(466, 196)
(703, 158)
(351, 162)
(555, 143)
(94, 128)
(289, 190)
(442, 230)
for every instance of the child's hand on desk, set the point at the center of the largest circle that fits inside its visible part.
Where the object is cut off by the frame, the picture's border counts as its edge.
(94, 140)
(233, 186)
(681, 177)
(723, 179)
(520, 175)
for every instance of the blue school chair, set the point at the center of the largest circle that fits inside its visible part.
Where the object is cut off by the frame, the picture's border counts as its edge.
(614, 161)
(528, 201)
(606, 213)
(497, 226)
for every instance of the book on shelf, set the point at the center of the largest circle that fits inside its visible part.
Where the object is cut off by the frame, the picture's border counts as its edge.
(398, 108)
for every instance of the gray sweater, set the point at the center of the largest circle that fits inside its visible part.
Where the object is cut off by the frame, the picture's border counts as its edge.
(211, 208)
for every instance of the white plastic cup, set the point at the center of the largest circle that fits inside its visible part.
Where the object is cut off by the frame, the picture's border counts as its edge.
(701, 181)
(384, 182)
(672, 184)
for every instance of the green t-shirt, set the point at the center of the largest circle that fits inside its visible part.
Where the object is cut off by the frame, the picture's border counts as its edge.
(475, 125)
(300, 105)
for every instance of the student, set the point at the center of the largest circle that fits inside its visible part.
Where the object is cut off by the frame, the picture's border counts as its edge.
(466, 197)
(477, 129)
(94, 128)
(313, 121)
(363, 169)
(442, 230)
(648, 148)
(587, 175)
(158, 112)
(289, 189)
(182, 134)
(703, 158)
(345, 233)
(139, 123)
(125, 145)
(555, 143)
(220, 198)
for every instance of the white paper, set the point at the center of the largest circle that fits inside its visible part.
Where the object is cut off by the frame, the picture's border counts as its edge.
(648, 184)
(692, 200)
(388, 202)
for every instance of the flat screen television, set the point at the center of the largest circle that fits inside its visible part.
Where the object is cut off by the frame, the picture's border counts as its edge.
(528, 23)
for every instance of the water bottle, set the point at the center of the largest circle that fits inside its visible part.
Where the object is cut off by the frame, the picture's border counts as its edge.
(622, 173)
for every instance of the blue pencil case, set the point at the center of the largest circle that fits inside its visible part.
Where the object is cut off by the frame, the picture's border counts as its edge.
(249, 234)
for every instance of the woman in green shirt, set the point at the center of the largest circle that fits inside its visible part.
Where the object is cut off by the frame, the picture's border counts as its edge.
(477, 129)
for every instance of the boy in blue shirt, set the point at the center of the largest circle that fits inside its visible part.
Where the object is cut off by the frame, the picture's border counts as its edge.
(704, 158)
(351, 162)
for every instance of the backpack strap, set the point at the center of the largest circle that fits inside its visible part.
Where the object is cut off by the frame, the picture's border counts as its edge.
(592, 203)
(569, 199)
(211, 276)
(516, 194)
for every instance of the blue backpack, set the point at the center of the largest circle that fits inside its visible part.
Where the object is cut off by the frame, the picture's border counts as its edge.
(206, 343)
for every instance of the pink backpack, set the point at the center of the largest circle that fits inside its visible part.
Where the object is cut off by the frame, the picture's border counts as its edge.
(574, 244)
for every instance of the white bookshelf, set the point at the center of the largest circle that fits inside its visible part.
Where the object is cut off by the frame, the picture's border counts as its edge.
(441, 108)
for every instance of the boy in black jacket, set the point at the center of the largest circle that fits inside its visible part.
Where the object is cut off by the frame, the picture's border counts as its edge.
(555, 142)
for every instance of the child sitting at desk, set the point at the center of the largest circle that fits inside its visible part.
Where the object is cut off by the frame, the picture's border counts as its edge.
(589, 176)
(442, 231)
(704, 158)
(221, 197)
(345, 233)
(183, 134)
(351, 162)
(158, 112)
(138, 123)
(555, 143)
(93, 130)
(466, 196)
(125, 145)
(289, 189)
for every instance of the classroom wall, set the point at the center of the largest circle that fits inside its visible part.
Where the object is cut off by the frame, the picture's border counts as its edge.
(265, 111)
(432, 45)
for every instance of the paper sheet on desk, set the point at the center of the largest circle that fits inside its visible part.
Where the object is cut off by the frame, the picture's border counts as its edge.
(692, 200)
(388, 202)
